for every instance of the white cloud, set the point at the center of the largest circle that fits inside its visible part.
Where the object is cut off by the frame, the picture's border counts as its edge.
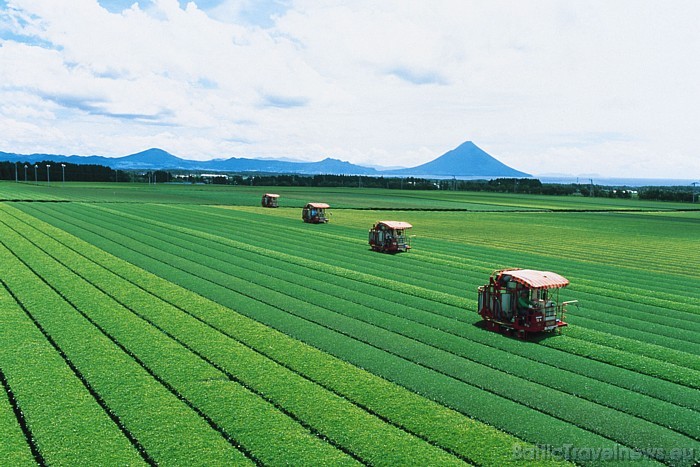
(546, 86)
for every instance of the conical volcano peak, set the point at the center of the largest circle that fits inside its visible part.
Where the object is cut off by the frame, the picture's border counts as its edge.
(467, 160)
(468, 149)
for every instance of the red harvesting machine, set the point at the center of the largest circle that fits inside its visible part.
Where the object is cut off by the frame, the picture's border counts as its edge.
(390, 236)
(315, 213)
(523, 301)
(269, 200)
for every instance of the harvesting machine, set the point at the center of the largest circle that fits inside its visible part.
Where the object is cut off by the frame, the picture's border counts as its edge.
(315, 213)
(269, 200)
(523, 301)
(390, 236)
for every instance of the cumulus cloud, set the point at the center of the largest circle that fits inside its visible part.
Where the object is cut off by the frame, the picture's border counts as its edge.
(547, 87)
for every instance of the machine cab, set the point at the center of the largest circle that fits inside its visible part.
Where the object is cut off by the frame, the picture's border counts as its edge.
(269, 200)
(315, 213)
(390, 236)
(523, 300)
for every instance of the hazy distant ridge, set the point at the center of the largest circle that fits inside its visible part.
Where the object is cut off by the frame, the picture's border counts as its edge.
(465, 160)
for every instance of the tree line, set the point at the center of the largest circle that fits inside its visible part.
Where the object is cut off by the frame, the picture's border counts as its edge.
(498, 185)
(48, 170)
(679, 194)
(45, 171)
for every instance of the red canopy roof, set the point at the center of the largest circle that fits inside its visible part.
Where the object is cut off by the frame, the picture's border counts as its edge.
(318, 205)
(536, 279)
(396, 224)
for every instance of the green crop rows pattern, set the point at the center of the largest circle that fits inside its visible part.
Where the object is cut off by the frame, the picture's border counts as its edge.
(143, 325)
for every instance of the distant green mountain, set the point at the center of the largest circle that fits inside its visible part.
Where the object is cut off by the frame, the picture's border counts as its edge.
(150, 158)
(465, 160)
(158, 159)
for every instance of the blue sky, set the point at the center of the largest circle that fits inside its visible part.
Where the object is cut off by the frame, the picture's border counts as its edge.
(546, 86)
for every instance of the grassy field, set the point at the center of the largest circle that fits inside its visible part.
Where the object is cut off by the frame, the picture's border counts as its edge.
(296, 197)
(175, 324)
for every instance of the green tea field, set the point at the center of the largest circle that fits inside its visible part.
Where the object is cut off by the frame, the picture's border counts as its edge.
(187, 325)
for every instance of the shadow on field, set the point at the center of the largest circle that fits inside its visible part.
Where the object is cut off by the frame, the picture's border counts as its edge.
(534, 337)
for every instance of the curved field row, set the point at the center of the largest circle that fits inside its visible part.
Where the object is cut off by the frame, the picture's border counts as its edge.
(639, 320)
(40, 387)
(370, 354)
(371, 312)
(382, 315)
(16, 449)
(668, 393)
(485, 453)
(625, 371)
(200, 247)
(674, 331)
(634, 320)
(302, 397)
(589, 238)
(151, 413)
(286, 273)
(673, 373)
(661, 368)
(670, 292)
(671, 289)
(289, 240)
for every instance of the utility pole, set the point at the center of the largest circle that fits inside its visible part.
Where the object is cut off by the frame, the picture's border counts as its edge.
(592, 192)
(695, 196)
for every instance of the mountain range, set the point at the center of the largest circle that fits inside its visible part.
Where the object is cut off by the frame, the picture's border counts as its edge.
(467, 160)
